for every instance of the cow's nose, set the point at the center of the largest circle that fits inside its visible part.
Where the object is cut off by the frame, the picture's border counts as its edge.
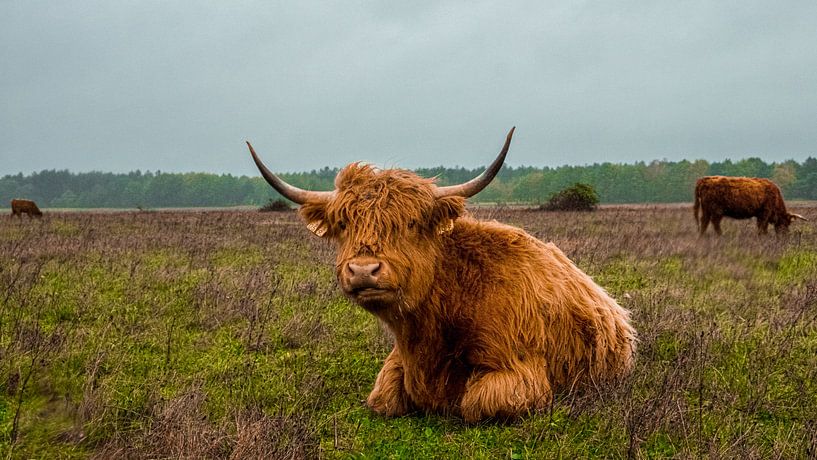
(361, 273)
(364, 271)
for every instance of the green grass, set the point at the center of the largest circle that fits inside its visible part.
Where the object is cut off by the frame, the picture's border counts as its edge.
(166, 335)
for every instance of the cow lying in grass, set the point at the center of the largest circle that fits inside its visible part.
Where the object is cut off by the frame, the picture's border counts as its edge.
(488, 321)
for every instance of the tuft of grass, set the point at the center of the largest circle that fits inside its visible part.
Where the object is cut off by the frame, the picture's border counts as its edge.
(797, 266)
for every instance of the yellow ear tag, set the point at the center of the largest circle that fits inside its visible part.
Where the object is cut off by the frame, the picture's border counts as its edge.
(317, 227)
(447, 227)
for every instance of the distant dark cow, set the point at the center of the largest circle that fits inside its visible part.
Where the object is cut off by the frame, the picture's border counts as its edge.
(20, 207)
(741, 198)
(487, 320)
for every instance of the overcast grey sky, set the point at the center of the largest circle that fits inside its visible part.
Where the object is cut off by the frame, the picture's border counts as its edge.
(178, 86)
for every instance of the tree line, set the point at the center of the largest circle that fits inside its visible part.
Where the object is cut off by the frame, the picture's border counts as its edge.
(654, 182)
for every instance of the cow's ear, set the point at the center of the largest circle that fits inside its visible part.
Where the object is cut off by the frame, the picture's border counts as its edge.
(448, 209)
(315, 216)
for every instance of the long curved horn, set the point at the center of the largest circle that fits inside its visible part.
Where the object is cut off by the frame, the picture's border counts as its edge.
(290, 192)
(798, 216)
(475, 185)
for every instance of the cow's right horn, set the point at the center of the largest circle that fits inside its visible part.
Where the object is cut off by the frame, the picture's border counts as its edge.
(798, 216)
(290, 192)
(475, 185)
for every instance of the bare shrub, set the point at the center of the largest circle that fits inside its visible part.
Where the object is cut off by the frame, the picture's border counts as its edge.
(180, 429)
(282, 437)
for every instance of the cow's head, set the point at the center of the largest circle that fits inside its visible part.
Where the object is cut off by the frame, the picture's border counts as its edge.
(781, 226)
(389, 226)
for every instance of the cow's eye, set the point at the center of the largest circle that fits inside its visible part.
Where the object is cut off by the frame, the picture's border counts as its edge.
(412, 224)
(342, 225)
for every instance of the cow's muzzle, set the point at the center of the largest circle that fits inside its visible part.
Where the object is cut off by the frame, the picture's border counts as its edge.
(365, 279)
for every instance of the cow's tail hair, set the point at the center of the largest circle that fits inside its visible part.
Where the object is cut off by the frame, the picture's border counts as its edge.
(696, 207)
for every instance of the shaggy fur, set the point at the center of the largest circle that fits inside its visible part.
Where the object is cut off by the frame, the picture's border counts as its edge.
(740, 198)
(20, 207)
(488, 321)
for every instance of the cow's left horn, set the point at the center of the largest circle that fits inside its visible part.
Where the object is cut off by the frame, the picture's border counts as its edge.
(475, 185)
(798, 216)
(291, 192)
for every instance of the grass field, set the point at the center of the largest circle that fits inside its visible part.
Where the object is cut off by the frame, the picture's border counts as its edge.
(222, 334)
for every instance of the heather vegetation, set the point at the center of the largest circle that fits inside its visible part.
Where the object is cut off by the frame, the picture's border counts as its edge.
(655, 182)
(222, 335)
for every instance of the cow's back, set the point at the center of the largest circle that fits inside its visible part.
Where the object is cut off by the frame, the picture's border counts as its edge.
(527, 290)
(736, 197)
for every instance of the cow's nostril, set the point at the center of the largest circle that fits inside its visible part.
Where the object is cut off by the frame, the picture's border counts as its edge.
(375, 269)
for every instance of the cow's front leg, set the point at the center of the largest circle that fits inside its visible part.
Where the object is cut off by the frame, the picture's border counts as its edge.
(389, 397)
(507, 392)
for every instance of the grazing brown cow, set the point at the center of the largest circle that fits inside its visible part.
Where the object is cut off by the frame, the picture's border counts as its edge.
(488, 321)
(20, 207)
(741, 198)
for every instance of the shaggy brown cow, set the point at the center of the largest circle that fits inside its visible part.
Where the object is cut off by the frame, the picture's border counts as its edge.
(487, 320)
(741, 198)
(20, 207)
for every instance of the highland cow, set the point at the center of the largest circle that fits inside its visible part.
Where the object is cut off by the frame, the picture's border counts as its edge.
(717, 197)
(20, 207)
(487, 320)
